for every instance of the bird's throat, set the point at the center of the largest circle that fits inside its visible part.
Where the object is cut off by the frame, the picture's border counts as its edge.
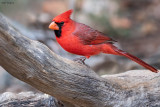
(58, 32)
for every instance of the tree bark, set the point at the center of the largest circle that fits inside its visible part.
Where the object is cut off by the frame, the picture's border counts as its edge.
(32, 62)
(27, 99)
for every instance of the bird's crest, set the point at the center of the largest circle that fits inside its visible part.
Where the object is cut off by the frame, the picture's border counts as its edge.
(63, 17)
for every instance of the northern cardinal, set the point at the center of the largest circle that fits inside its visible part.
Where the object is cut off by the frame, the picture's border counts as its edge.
(80, 39)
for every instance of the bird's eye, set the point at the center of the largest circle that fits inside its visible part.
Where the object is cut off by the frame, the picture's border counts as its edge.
(61, 23)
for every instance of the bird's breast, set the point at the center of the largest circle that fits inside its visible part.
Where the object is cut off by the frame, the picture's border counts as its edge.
(73, 45)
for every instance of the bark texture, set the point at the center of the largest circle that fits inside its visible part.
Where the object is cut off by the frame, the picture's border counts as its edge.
(71, 82)
(27, 99)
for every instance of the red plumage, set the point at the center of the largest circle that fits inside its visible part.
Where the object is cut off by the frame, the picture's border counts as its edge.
(80, 39)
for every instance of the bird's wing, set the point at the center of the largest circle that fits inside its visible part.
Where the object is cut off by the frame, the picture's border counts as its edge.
(89, 36)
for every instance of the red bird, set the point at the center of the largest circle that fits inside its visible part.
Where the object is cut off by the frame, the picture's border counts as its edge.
(80, 39)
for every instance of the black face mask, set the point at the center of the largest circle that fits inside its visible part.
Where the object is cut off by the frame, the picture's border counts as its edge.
(58, 32)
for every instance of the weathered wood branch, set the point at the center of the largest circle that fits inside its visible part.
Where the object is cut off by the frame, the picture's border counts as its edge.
(33, 63)
(27, 99)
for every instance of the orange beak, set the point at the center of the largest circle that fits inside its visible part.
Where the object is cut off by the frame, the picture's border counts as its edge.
(53, 26)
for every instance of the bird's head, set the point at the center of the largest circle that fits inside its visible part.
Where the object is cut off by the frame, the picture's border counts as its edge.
(59, 20)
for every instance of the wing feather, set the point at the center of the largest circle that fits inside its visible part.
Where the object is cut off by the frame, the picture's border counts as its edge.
(89, 36)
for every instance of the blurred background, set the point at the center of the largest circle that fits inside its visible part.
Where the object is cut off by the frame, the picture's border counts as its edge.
(134, 24)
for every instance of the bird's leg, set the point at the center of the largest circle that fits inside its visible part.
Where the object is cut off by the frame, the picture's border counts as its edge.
(80, 60)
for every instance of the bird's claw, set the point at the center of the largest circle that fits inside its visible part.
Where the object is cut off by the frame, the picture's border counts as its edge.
(80, 60)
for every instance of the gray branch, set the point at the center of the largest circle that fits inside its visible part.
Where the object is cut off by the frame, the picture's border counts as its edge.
(27, 99)
(32, 62)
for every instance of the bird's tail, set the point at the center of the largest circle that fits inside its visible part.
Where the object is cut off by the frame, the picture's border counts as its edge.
(114, 50)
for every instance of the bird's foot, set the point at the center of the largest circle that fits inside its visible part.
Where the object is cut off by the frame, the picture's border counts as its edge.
(80, 60)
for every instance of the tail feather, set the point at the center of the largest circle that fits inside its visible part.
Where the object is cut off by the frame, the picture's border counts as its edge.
(137, 60)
